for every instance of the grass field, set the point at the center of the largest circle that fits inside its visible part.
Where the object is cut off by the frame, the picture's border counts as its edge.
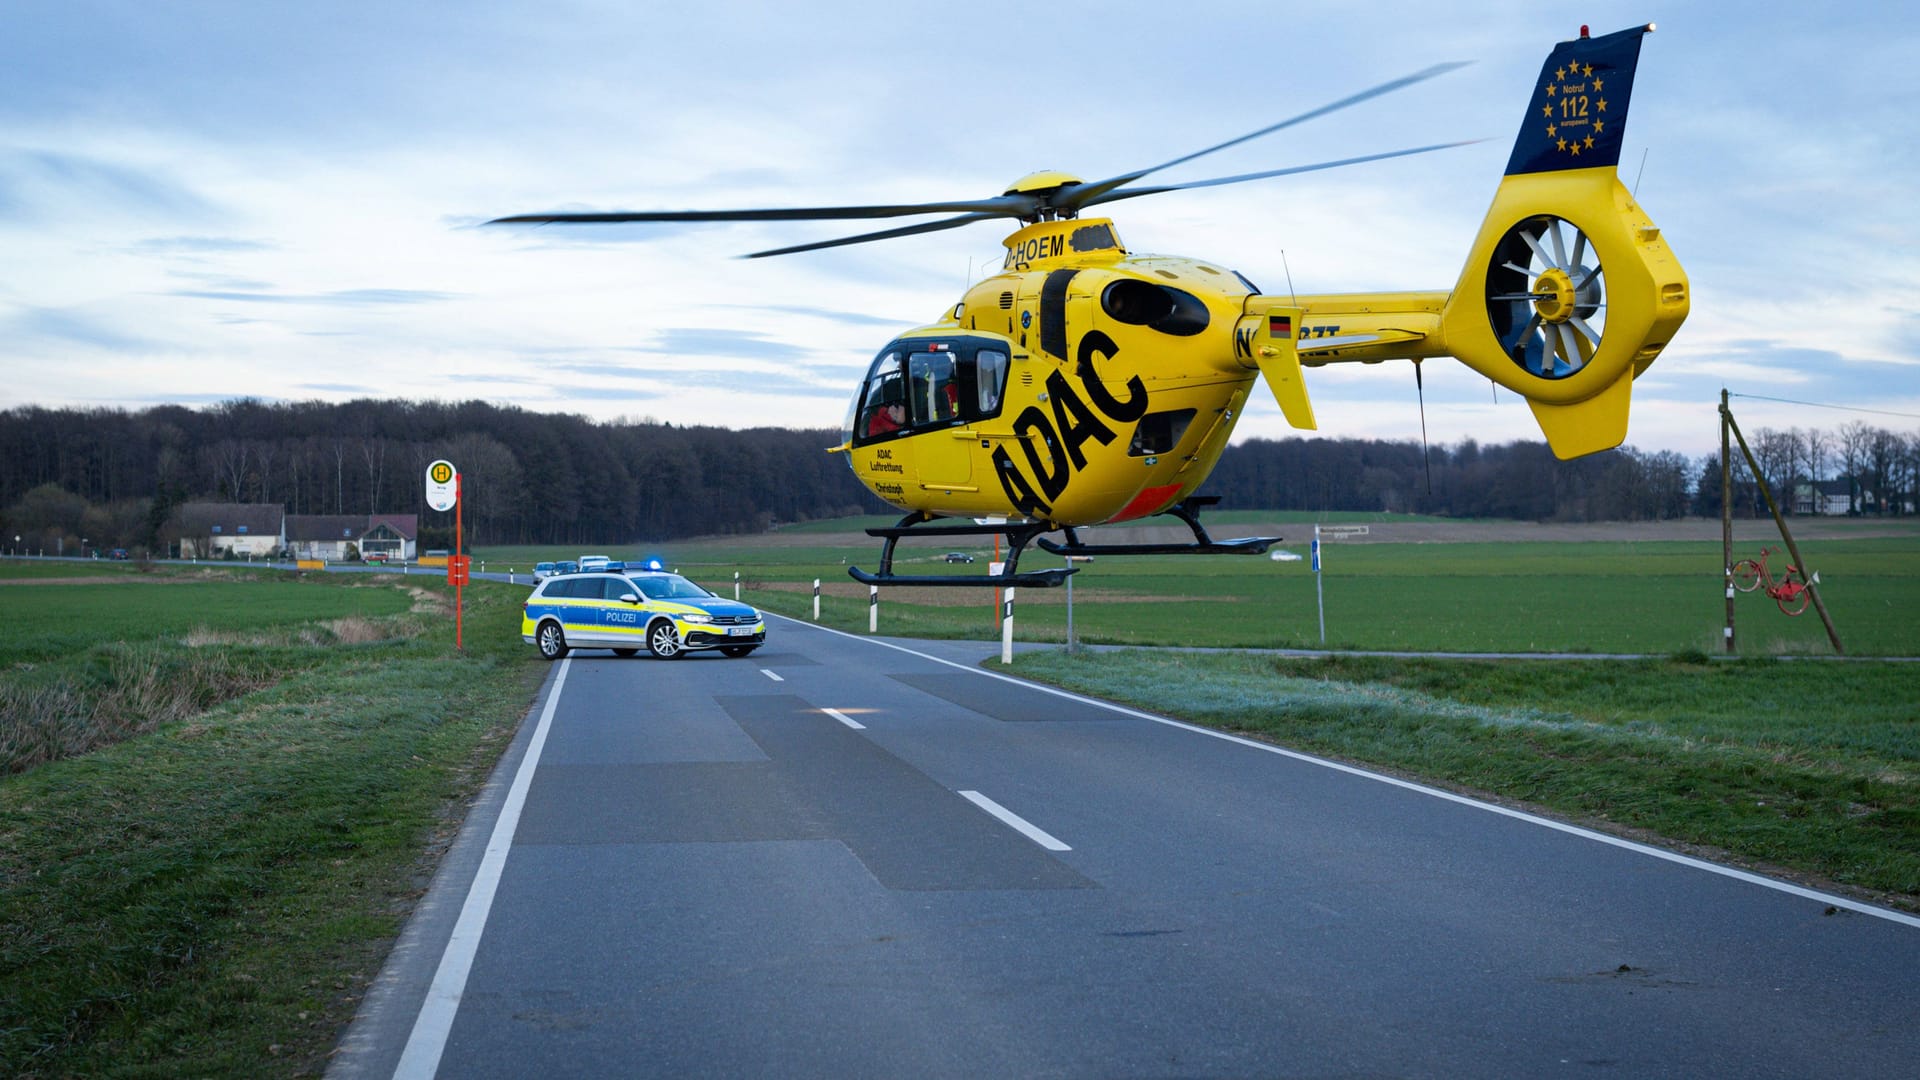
(220, 788)
(204, 882)
(1592, 596)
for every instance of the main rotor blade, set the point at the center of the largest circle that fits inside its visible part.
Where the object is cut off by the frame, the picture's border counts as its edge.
(1089, 194)
(888, 234)
(1128, 193)
(998, 206)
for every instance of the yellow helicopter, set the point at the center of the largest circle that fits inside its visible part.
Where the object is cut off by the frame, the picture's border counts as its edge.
(1085, 384)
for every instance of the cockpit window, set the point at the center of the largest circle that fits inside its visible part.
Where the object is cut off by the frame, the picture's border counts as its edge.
(883, 409)
(936, 392)
(923, 384)
(990, 378)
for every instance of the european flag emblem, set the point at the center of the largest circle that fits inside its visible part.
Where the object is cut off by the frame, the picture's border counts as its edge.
(1579, 108)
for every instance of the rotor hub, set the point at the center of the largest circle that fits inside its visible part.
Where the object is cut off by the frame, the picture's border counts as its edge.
(1553, 295)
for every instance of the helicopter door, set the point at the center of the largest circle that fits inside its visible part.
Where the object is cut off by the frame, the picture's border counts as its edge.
(944, 453)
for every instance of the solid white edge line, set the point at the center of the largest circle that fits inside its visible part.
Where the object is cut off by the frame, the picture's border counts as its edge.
(769, 674)
(845, 719)
(1519, 815)
(421, 1058)
(1018, 823)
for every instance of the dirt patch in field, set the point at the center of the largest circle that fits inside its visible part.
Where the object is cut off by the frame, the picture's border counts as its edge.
(1443, 532)
(931, 596)
(964, 596)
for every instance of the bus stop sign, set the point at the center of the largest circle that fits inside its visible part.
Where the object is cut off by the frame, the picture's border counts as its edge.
(441, 492)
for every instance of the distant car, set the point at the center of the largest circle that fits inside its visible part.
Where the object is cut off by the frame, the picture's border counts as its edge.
(543, 571)
(666, 614)
(117, 553)
(566, 566)
(959, 556)
(594, 562)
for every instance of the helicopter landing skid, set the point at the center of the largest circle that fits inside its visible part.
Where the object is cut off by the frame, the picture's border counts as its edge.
(1187, 511)
(1017, 537)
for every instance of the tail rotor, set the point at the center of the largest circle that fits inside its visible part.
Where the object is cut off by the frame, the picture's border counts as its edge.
(1546, 296)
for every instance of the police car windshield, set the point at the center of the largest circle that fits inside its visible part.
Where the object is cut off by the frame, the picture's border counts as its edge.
(669, 587)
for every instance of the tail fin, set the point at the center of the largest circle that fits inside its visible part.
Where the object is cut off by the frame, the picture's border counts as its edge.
(1569, 291)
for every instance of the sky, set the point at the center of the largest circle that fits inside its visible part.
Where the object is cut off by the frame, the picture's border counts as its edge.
(201, 201)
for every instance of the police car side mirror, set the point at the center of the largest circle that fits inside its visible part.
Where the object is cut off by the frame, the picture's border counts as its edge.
(629, 598)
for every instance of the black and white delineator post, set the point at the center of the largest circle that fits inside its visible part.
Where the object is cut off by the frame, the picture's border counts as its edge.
(816, 599)
(1319, 592)
(873, 609)
(1006, 628)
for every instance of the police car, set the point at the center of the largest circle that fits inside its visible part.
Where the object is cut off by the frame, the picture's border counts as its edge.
(665, 614)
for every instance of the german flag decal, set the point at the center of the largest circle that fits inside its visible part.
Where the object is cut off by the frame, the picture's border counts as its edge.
(1280, 326)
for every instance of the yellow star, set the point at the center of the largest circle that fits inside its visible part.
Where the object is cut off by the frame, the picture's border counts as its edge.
(1576, 149)
(1603, 104)
(1546, 110)
(1561, 145)
(1561, 74)
(1599, 126)
(1598, 86)
(1551, 129)
(1589, 71)
(1589, 142)
(1550, 89)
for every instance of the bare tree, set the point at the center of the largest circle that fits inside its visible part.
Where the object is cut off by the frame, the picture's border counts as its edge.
(339, 476)
(263, 452)
(229, 457)
(373, 451)
(1853, 437)
(1775, 452)
(1883, 455)
(1816, 448)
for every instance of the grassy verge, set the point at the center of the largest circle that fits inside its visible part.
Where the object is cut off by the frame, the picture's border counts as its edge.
(209, 897)
(1620, 597)
(1757, 758)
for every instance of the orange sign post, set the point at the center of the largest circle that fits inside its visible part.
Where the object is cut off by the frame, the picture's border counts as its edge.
(443, 493)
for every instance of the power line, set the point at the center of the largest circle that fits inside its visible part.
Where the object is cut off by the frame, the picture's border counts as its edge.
(1824, 406)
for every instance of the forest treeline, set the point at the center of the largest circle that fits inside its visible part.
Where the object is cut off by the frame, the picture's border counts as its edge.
(112, 476)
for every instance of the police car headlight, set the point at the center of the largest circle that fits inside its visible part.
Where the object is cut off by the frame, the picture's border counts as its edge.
(696, 618)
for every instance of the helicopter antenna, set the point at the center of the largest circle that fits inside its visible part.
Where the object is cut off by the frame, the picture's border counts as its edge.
(1641, 171)
(1420, 390)
(1292, 297)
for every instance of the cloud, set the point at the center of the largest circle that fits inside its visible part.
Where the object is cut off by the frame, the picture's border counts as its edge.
(70, 328)
(341, 388)
(196, 245)
(847, 318)
(345, 297)
(39, 185)
(726, 377)
(716, 341)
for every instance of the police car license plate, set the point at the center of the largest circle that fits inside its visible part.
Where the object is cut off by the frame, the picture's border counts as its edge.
(739, 631)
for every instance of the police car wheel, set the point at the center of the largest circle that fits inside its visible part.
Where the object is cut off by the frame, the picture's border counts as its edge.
(663, 641)
(738, 650)
(551, 642)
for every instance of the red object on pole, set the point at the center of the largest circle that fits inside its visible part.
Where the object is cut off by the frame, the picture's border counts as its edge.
(996, 588)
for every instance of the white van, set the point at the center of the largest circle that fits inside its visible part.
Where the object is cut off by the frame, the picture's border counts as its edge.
(593, 562)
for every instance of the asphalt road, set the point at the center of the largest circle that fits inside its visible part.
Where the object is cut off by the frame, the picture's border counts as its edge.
(847, 857)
